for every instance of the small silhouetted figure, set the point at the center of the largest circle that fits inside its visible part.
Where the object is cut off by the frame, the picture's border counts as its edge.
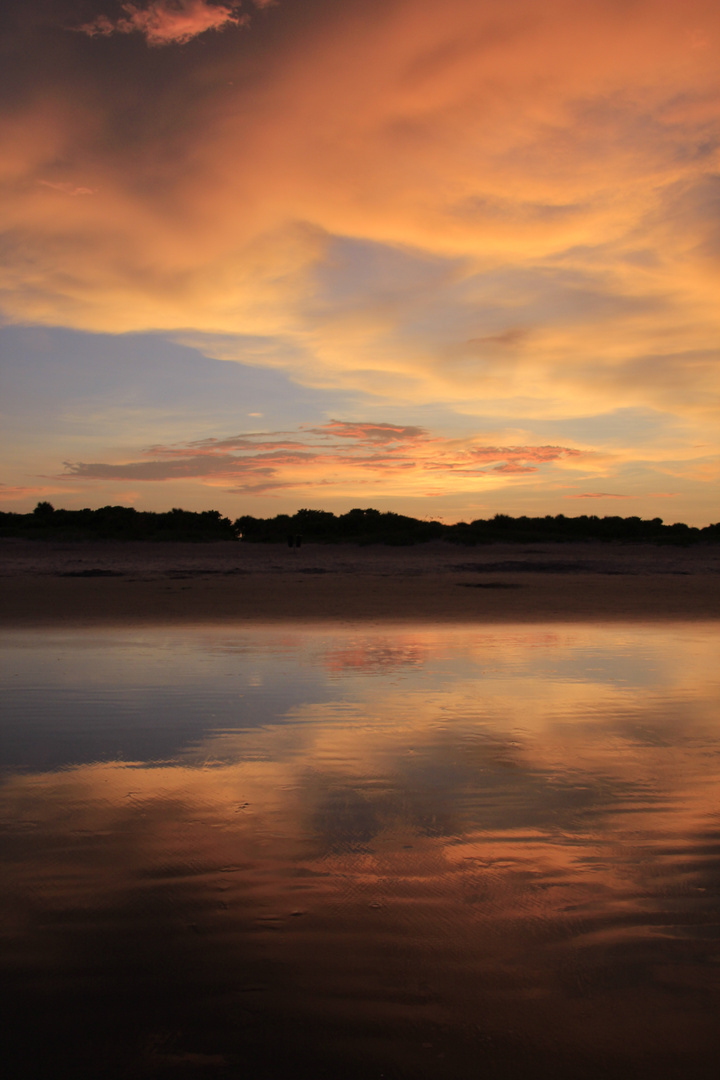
(298, 541)
(291, 540)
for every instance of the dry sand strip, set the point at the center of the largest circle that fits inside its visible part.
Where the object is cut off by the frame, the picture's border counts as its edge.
(90, 584)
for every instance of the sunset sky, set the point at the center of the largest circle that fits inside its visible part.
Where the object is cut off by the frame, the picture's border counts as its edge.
(449, 259)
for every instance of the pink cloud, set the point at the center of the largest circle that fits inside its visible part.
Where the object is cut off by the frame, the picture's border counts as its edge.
(167, 22)
(338, 453)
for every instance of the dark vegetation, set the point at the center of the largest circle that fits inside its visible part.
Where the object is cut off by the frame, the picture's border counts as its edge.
(320, 526)
(116, 523)
(374, 527)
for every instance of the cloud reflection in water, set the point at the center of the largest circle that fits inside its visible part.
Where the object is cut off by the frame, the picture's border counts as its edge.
(412, 851)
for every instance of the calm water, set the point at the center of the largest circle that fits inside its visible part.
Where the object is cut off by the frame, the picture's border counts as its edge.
(369, 852)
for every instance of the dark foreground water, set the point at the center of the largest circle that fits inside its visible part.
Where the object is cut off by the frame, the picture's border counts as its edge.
(416, 852)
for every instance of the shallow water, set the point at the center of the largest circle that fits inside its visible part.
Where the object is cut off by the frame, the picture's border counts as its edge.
(400, 851)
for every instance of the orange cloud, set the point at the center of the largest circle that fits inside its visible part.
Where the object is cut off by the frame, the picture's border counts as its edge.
(166, 22)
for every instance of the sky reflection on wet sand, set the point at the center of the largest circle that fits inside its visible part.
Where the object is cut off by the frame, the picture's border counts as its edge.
(393, 851)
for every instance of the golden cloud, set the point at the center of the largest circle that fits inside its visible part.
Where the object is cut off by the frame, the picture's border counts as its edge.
(507, 208)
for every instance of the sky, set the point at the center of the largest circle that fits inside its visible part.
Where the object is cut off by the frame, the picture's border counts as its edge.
(449, 260)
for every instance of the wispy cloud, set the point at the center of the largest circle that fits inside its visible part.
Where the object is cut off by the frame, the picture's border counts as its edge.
(339, 455)
(167, 22)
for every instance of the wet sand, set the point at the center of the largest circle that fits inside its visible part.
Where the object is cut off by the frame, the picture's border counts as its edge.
(86, 583)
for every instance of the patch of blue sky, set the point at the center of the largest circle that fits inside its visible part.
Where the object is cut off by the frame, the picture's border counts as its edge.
(64, 379)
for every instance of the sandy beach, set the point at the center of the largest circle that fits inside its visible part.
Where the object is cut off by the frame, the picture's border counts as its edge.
(87, 583)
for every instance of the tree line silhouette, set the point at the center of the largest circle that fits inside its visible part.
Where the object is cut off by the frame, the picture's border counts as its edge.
(321, 526)
(116, 523)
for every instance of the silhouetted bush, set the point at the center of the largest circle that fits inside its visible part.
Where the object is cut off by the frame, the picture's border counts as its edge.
(357, 527)
(373, 527)
(117, 523)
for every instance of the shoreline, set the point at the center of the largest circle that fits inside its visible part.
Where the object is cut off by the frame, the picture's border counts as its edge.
(86, 584)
